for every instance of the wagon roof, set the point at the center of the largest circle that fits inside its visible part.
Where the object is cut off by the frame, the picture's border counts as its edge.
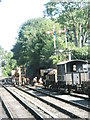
(52, 72)
(47, 70)
(65, 62)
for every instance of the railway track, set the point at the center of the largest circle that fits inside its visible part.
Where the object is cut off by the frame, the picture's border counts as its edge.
(73, 99)
(42, 108)
(17, 108)
(13, 107)
(3, 113)
(74, 94)
(80, 95)
(62, 105)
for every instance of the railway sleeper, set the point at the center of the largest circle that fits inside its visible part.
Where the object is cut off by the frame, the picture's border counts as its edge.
(31, 110)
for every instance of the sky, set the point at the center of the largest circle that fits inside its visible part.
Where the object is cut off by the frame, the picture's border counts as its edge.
(13, 13)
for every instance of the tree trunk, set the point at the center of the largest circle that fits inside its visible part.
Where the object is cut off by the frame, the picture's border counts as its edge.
(85, 33)
(84, 37)
(80, 36)
(74, 30)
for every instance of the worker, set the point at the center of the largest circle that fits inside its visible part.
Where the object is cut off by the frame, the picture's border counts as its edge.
(40, 81)
(28, 80)
(35, 80)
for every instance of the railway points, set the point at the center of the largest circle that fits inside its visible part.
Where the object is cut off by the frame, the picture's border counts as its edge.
(48, 73)
(45, 110)
(48, 100)
(81, 101)
(60, 103)
(40, 101)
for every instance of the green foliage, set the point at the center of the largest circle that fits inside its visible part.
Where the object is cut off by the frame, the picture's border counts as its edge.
(7, 63)
(88, 57)
(34, 47)
(80, 53)
(71, 15)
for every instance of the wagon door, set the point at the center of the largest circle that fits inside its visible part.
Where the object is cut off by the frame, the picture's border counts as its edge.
(76, 79)
(61, 75)
(76, 76)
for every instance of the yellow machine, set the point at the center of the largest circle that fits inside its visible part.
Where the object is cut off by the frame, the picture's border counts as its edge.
(49, 77)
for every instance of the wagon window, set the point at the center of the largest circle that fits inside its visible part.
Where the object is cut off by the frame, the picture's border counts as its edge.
(74, 67)
(59, 69)
(85, 68)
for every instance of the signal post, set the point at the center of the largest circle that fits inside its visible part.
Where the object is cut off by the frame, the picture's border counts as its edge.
(63, 32)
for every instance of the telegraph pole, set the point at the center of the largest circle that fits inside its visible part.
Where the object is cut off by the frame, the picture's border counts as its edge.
(69, 52)
(54, 38)
(65, 38)
(80, 45)
(54, 32)
(69, 55)
(63, 32)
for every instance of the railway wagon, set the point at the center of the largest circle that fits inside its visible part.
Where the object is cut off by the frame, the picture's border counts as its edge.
(49, 77)
(6, 81)
(69, 75)
(73, 75)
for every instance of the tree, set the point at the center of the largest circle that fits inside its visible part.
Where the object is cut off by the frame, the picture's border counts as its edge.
(34, 47)
(7, 63)
(72, 15)
(80, 53)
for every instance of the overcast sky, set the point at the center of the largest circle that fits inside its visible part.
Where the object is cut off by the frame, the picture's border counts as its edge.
(13, 13)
